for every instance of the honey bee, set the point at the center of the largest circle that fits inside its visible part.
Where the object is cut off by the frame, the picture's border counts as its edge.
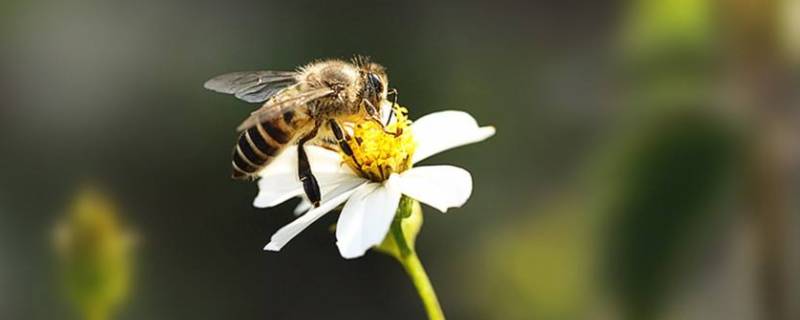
(310, 104)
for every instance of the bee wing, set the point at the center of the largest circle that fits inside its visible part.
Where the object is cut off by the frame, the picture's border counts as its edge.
(326, 143)
(252, 86)
(274, 109)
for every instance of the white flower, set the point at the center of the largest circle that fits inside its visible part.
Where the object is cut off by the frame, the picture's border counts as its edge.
(371, 194)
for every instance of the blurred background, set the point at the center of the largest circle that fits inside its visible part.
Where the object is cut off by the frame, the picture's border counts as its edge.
(646, 165)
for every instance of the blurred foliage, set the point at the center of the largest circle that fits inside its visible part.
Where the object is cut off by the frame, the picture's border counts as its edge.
(661, 192)
(670, 162)
(668, 53)
(753, 28)
(658, 26)
(649, 192)
(94, 255)
(538, 268)
(789, 29)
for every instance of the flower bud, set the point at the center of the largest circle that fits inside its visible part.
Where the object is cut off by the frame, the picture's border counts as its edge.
(93, 251)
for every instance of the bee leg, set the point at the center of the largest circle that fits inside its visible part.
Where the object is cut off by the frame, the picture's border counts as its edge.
(339, 134)
(373, 114)
(310, 184)
(394, 94)
(372, 111)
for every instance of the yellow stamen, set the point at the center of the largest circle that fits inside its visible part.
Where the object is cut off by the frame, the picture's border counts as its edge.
(380, 151)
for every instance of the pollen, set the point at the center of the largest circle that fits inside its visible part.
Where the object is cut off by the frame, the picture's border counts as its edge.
(379, 151)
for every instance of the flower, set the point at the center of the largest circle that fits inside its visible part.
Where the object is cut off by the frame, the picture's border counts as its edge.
(371, 183)
(94, 250)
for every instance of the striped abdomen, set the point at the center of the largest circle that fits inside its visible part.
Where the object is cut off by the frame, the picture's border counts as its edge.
(258, 145)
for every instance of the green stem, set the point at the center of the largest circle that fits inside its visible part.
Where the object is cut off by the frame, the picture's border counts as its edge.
(410, 261)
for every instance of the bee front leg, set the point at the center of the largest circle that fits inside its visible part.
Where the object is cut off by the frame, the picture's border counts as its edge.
(374, 115)
(310, 184)
(394, 94)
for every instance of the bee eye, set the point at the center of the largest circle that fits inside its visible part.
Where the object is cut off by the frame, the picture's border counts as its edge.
(374, 83)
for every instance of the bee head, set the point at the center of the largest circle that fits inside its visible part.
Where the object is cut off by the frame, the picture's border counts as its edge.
(375, 86)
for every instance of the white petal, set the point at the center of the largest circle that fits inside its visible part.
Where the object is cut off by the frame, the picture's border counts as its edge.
(320, 158)
(441, 187)
(365, 219)
(444, 130)
(325, 161)
(279, 181)
(285, 162)
(302, 207)
(276, 189)
(386, 111)
(336, 197)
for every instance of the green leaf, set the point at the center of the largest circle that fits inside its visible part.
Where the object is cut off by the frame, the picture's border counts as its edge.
(662, 191)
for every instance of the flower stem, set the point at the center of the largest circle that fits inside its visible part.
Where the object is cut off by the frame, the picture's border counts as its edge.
(410, 261)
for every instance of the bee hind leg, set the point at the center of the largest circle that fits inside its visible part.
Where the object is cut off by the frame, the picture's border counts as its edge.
(310, 184)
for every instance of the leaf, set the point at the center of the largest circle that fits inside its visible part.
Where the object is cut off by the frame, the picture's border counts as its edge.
(662, 191)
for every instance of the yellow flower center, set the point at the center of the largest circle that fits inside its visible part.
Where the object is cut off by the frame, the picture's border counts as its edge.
(379, 151)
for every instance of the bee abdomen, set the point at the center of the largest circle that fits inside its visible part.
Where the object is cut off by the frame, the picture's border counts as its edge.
(259, 145)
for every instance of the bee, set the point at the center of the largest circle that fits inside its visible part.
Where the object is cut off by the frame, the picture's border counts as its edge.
(310, 104)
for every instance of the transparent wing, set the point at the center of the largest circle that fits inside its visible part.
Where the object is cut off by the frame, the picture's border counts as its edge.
(274, 108)
(326, 142)
(252, 86)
